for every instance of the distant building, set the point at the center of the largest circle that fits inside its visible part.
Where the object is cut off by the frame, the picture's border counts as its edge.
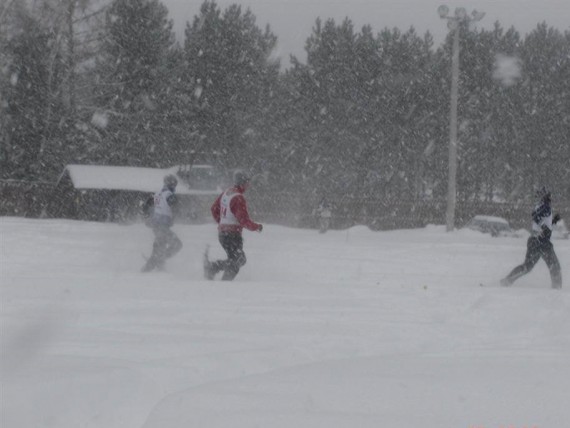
(116, 193)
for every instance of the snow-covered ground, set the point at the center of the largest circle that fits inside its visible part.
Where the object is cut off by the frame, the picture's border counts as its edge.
(347, 329)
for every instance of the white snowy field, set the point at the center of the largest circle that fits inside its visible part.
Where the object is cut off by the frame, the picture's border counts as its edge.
(351, 329)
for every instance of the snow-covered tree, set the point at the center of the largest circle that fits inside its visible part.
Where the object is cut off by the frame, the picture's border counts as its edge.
(231, 73)
(32, 76)
(365, 104)
(133, 79)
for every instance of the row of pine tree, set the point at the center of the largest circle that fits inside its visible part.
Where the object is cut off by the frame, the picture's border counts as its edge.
(367, 114)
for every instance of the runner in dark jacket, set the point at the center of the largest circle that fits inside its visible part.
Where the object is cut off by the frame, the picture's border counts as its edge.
(539, 245)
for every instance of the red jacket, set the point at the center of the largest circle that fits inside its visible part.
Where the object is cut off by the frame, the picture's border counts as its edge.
(238, 207)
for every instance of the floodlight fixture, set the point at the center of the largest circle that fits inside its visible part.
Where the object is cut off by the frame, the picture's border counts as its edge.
(443, 11)
(460, 13)
(477, 16)
(453, 24)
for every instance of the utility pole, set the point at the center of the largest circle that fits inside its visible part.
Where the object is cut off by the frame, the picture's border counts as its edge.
(454, 23)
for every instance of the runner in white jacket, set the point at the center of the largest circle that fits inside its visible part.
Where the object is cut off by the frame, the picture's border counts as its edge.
(166, 243)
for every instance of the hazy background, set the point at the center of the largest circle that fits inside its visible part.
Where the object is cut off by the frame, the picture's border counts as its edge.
(363, 122)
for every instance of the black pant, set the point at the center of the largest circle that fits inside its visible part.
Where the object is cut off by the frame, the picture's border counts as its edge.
(166, 244)
(232, 243)
(535, 249)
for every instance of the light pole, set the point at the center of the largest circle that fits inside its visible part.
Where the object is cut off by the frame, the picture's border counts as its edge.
(454, 23)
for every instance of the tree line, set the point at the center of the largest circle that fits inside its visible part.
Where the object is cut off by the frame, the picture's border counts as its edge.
(365, 116)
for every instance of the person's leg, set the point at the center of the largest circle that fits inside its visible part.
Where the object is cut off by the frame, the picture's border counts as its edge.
(209, 272)
(160, 247)
(232, 243)
(156, 259)
(173, 244)
(236, 256)
(212, 268)
(531, 258)
(553, 264)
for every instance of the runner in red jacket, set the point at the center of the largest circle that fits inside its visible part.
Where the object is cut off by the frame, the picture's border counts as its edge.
(230, 212)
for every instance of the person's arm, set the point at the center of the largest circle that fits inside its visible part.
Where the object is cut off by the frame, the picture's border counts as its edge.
(174, 203)
(172, 200)
(239, 208)
(147, 206)
(215, 209)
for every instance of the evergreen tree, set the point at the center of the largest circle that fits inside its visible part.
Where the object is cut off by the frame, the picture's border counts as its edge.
(76, 25)
(486, 122)
(545, 110)
(232, 75)
(366, 105)
(501, 118)
(133, 82)
(33, 74)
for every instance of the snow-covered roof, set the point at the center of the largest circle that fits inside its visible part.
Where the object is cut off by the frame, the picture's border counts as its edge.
(127, 178)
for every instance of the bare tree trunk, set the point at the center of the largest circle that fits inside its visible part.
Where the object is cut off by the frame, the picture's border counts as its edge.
(71, 56)
(51, 97)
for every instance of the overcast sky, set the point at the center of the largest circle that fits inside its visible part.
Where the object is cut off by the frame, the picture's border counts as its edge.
(292, 20)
